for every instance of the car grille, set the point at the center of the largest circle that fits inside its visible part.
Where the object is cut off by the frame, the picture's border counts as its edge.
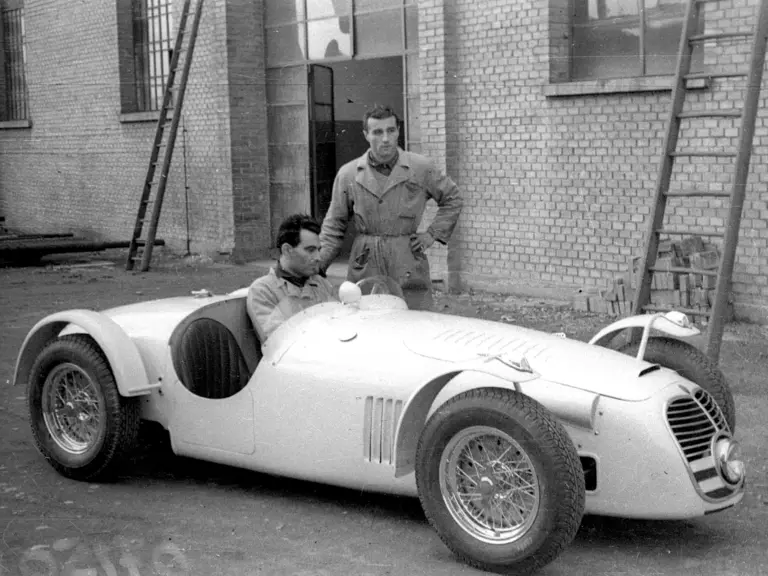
(694, 420)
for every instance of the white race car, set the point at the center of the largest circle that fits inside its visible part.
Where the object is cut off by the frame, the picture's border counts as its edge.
(507, 435)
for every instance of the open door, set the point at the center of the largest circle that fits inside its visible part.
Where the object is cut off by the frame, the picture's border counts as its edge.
(322, 138)
(289, 150)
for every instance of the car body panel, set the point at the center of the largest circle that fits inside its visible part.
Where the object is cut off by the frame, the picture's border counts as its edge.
(339, 394)
(120, 349)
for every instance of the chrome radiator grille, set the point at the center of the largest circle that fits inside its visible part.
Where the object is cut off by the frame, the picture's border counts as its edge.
(694, 421)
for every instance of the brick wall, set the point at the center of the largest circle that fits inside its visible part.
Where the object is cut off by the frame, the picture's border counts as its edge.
(439, 124)
(248, 119)
(79, 168)
(557, 189)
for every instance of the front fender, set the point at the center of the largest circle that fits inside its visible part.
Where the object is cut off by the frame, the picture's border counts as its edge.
(123, 356)
(420, 401)
(673, 323)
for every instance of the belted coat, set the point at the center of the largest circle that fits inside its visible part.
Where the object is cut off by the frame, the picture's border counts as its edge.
(387, 212)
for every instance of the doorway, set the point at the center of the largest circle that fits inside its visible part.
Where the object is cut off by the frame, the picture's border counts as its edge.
(340, 93)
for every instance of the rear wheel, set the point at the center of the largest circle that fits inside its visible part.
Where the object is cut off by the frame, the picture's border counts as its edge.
(79, 421)
(691, 364)
(500, 480)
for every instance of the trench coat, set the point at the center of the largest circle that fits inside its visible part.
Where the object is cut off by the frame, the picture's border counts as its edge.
(387, 212)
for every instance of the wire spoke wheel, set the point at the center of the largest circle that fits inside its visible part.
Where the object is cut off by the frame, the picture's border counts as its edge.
(79, 420)
(500, 480)
(72, 410)
(489, 485)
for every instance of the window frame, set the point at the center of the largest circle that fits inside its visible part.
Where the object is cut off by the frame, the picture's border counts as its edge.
(141, 91)
(561, 82)
(14, 93)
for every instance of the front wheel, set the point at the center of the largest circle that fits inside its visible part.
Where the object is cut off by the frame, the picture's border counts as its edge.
(80, 423)
(500, 480)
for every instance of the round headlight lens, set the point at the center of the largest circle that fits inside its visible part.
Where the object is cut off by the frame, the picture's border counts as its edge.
(728, 455)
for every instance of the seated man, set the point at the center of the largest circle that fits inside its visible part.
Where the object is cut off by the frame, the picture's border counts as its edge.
(294, 284)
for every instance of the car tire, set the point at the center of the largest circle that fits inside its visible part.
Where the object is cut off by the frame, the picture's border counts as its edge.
(79, 421)
(501, 424)
(692, 364)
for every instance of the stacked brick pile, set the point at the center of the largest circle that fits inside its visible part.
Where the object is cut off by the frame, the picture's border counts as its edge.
(692, 291)
(670, 290)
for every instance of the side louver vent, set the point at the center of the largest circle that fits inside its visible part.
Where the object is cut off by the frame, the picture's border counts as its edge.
(381, 418)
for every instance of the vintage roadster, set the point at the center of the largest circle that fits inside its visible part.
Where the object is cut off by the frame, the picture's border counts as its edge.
(507, 435)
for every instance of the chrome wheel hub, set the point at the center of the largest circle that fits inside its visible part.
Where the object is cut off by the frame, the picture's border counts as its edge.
(71, 408)
(489, 485)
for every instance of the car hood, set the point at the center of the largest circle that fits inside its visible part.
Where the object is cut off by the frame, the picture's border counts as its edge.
(555, 358)
(397, 337)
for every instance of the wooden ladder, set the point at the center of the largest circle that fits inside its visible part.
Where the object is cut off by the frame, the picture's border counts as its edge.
(716, 315)
(170, 113)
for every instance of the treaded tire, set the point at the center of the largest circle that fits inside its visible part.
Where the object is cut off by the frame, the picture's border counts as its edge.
(100, 458)
(555, 461)
(692, 364)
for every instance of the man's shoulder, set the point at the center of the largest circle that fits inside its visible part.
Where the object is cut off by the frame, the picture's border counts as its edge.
(418, 162)
(266, 283)
(350, 168)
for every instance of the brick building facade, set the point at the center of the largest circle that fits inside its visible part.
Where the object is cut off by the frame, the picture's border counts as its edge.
(556, 157)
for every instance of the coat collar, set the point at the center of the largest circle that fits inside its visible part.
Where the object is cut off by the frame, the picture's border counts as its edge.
(366, 177)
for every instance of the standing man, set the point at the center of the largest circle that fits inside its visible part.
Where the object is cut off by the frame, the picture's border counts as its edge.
(386, 191)
(293, 284)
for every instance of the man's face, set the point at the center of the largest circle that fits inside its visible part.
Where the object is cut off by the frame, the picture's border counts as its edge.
(382, 136)
(303, 260)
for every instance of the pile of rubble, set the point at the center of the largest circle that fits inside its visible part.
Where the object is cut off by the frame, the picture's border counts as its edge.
(669, 290)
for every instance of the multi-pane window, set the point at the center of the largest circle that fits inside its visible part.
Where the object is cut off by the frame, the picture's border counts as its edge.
(14, 90)
(151, 51)
(625, 38)
(312, 30)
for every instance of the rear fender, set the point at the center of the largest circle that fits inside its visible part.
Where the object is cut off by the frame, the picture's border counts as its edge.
(419, 403)
(123, 356)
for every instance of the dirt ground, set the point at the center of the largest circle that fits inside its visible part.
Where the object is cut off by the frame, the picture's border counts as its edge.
(170, 515)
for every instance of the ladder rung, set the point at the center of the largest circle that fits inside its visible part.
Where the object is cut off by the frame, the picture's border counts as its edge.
(704, 75)
(689, 311)
(711, 114)
(719, 36)
(703, 153)
(682, 232)
(683, 270)
(697, 193)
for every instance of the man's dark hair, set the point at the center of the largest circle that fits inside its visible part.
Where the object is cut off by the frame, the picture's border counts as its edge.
(290, 229)
(379, 112)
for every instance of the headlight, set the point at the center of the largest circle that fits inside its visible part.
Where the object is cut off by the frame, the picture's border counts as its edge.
(728, 458)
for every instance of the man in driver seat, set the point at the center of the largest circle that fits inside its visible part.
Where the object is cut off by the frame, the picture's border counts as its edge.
(294, 283)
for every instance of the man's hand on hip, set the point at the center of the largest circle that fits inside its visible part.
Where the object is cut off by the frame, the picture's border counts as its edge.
(421, 242)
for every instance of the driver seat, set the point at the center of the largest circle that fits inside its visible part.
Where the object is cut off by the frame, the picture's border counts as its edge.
(209, 361)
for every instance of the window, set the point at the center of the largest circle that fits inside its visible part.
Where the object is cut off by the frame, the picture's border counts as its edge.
(311, 30)
(144, 33)
(14, 89)
(624, 38)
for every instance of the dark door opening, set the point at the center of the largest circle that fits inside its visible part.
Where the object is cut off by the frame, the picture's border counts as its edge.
(340, 94)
